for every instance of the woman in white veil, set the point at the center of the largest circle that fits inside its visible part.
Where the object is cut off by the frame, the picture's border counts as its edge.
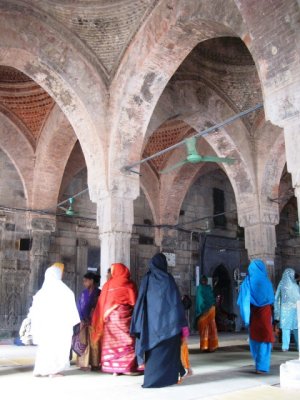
(53, 315)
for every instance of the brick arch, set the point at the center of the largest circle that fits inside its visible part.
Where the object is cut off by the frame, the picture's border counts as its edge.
(175, 185)
(55, 145)
(75, 164)
(151, 188)
(274, 163)
(18, 123)
(20, 152)
(273, 42)
(232, 141)
(158, 50)
(64, 71)
(174, 192)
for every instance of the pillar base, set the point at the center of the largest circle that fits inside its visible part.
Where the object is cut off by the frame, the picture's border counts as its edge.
(290, 375)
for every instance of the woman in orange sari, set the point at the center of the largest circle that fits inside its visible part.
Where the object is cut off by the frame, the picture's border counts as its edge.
(205, 316)
(111, 322)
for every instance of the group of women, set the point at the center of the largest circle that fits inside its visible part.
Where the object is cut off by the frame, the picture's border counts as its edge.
(120, 330)
(131, 332)
(125, 331)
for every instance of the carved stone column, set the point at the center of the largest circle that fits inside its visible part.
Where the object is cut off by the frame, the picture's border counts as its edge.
(41, 229)
(115, 220)
(282, 108)
(292, 146)
(260, 235)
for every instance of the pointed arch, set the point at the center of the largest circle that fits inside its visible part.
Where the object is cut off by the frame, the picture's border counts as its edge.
(64, 71)
(19, 150)
(55, 145)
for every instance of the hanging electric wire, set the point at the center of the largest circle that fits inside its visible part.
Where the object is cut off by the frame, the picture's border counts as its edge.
(197, 135)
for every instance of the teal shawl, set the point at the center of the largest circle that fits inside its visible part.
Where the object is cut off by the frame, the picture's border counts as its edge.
(205, 299)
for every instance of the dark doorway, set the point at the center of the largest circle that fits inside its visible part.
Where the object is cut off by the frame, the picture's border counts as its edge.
(223, 294)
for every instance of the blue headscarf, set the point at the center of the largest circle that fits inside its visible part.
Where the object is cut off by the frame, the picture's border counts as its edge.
(158, 314)
(256, 289)
(287, 295)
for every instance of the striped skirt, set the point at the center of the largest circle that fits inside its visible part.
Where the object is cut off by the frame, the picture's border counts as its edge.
(118, 347)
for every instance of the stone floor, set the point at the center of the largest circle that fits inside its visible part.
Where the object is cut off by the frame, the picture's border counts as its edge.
(226, 374)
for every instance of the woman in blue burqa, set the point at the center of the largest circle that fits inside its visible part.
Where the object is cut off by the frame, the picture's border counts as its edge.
(287, 295)
(255, 301)
(157, 323)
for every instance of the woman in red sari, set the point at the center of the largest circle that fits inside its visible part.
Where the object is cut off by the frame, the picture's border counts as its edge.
(111, 322)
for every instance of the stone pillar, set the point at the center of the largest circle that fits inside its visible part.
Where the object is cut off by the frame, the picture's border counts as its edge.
(260, 235)
(41, 229)
(81, 263)
(134, 257)
(292, 147)
(115, 219)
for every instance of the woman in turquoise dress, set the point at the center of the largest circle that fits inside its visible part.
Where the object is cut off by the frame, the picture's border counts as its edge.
(255, 300)
(287, 295)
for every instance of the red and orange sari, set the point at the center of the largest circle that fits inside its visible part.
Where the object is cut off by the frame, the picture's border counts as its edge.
(205, 317)
(208, 330)
(111, 322)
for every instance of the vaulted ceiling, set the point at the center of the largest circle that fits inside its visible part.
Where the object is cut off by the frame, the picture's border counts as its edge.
(24, 101)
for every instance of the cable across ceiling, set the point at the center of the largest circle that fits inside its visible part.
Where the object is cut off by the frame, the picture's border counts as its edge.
(205, 132)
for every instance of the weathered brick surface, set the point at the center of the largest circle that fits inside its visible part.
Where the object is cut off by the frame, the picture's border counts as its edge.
(88, 87)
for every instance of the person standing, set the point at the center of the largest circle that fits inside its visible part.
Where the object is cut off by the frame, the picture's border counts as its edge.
(111, 322)
(185, 358)
(157, 323)
(86, 304)
(285, 307)
(53, 314)
(205, 316)
(255, 300)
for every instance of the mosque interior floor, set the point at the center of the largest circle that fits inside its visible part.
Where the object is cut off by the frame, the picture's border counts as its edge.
(226, 374)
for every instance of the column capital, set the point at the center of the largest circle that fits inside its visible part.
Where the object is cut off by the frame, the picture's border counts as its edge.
(259, 222)
(265, 214)
(125, 185)
(282, 106)
(115, 214)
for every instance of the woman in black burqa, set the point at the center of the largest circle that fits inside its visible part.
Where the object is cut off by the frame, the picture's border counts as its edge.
(157, 324)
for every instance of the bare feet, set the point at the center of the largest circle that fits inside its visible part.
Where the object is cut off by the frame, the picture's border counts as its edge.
(137, 373)
(56, 375)
(260, 372)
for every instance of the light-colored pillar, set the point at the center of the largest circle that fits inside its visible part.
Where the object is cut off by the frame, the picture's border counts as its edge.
(41, 230)
(260, 235)
(115, 218)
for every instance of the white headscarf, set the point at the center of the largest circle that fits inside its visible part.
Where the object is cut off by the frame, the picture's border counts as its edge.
(53, 315)
(53, 307)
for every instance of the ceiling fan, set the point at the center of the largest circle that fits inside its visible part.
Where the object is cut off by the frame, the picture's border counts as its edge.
(70, 212)
(193, 157)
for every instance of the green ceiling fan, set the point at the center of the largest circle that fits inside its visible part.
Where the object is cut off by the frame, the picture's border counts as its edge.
(70, 212)
(193, 157)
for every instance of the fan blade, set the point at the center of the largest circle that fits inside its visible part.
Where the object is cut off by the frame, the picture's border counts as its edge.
(191, 146)
(173, 167)
(218, 159)
(63, 208)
